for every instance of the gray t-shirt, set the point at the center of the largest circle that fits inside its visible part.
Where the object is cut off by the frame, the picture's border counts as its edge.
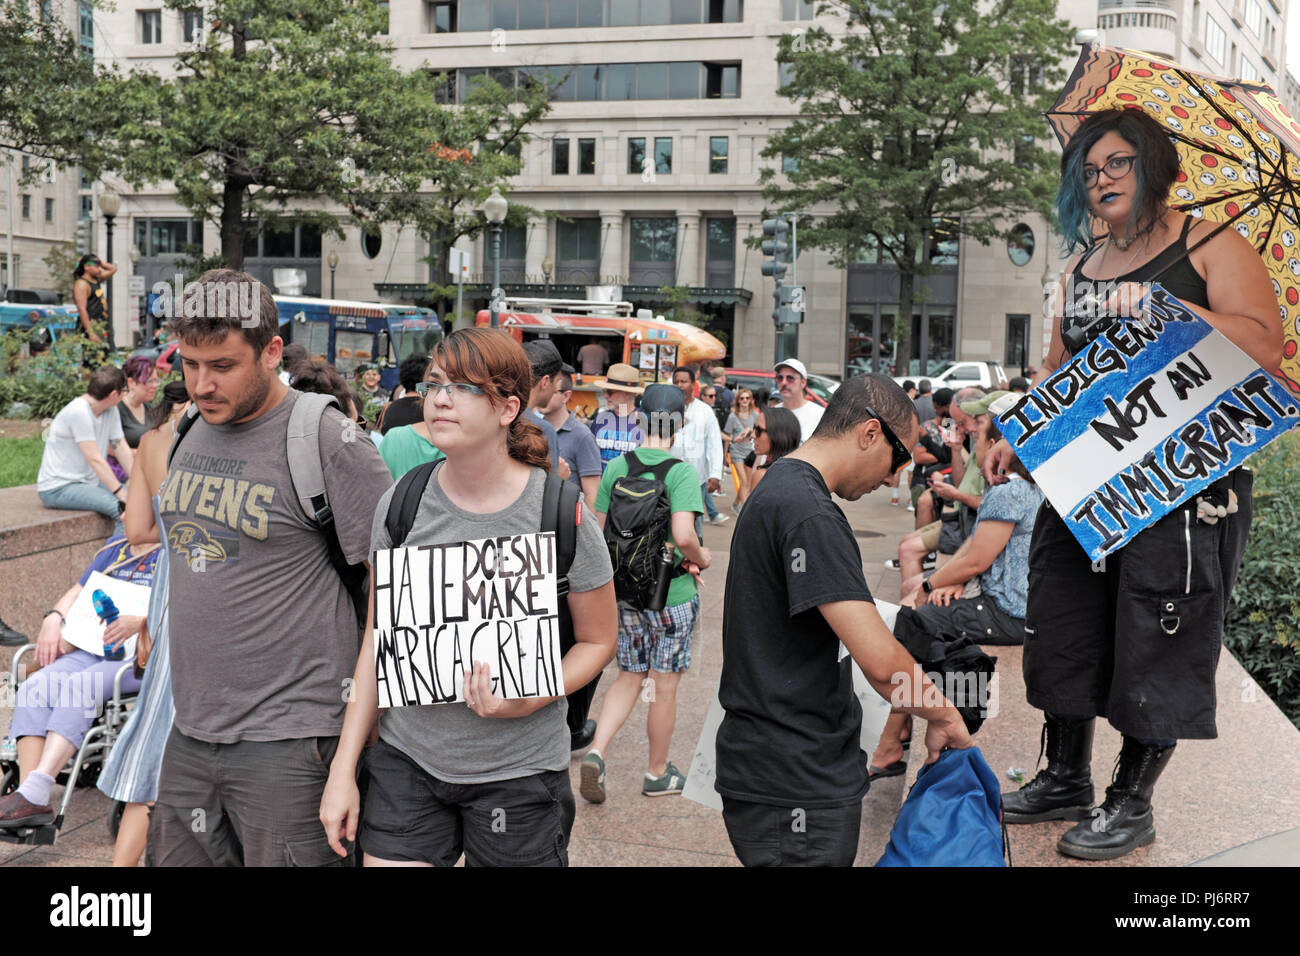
(263, 632)
(450, 741)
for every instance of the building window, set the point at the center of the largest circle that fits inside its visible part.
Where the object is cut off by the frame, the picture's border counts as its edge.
(663, 154)
(1254, 16)
(720, 253)
(27, 206)
(371, 243)
(635, 155)
(49, 210)
(87, 207)
(789, 164)
(383, 5)
(559, 157)
(1216, 41)
(578, 240)
(444, 91)
(718, 154)
(586, 157)
(653, 240)
(797, 9)
(86, 27)
(943, 242)
(1020, 245)
(1248, 71)
(721, 80)
(442, 17)
(150, 26)
(192, 25)
(1017, 352)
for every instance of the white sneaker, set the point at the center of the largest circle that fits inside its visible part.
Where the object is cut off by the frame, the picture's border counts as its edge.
(719, 519)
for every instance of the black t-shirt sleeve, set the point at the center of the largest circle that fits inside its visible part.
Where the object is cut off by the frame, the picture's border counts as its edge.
(822, 563)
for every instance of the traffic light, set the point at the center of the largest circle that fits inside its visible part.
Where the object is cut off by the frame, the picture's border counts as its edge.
(774, 245)
(83, 236)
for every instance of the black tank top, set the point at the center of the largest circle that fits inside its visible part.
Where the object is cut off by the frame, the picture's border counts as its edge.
(94, 300)
(1172, 268)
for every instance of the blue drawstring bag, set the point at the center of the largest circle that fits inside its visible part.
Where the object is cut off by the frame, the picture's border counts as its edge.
(952, 816)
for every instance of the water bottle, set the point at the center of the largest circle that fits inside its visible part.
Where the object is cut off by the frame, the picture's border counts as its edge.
(108, 613)
(663, 577)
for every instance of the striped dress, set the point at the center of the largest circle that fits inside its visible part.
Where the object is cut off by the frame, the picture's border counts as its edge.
(131, 771)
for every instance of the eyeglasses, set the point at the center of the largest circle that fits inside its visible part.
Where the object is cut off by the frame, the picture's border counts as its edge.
(787, 378)
(1117, 167)
(710, 395)
(425, 389)
(902, 454)
(760, 430)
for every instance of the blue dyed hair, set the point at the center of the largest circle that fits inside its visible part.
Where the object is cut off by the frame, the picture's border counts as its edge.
(1156, 170)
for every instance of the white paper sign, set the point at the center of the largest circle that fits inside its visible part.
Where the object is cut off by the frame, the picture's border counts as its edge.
(875, 709)
(439, 608)
(83, 629)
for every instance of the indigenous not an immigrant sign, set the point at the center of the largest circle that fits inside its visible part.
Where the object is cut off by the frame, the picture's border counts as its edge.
(1148, 415)
(441, 607)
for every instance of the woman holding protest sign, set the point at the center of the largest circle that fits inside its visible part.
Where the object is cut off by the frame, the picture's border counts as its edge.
(484, 775)
(1136, 636)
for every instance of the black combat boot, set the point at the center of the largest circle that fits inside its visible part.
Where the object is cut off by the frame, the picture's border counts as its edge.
(1124, 822)
(1062, 791)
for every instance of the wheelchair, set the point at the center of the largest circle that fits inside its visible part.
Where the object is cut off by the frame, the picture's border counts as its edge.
(82, 770)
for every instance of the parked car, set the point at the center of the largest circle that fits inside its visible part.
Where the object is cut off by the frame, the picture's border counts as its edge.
(819, 388)
(961, 375)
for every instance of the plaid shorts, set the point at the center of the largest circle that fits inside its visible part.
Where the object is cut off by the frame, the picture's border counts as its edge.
(657, 640)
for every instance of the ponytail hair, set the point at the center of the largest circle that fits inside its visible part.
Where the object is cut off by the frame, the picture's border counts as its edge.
(496, 363)
(173, 393)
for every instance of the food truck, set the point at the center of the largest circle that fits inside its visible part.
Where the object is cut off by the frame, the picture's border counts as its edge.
(653, 346)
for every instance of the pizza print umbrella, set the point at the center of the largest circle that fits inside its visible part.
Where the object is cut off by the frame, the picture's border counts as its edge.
(1238, 147)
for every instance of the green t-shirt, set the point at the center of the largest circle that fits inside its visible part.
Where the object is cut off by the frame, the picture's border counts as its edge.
(403, 448)
(683, 495)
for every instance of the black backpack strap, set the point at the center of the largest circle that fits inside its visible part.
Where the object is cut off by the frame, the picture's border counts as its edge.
(405, 502)
(560, 504)
(183, 426)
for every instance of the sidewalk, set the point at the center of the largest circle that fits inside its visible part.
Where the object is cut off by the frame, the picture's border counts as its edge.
(1233, 796)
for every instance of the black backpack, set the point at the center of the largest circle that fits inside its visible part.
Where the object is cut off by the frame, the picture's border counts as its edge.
(560, 514)
(637, 526)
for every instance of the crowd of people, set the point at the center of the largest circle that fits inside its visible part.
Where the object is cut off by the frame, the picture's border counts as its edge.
(257, 737)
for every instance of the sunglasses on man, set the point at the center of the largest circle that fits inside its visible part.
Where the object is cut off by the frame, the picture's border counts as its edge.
(902, 455)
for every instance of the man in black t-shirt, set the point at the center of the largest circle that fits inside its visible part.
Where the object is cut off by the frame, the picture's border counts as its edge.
(790, 767)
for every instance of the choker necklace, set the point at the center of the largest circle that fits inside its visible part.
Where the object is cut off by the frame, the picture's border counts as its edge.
(1122, 245)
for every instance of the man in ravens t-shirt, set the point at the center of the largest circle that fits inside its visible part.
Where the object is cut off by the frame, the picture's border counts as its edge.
(795, 593)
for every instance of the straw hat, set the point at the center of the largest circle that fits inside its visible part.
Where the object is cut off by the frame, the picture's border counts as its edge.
(622, 377)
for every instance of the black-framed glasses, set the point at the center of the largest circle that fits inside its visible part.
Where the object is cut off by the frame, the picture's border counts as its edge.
(759, 430)
(1117, 167)
(425, 389)
(902, 454)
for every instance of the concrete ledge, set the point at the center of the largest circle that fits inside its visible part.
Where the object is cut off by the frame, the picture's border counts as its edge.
(42, 554)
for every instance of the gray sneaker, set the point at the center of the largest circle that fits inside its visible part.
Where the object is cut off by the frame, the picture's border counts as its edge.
(591, 778)
(719, 518)
(671, 782)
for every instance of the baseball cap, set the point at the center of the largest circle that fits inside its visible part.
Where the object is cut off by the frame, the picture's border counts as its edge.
(992, 402)
(793, 364)
(621, 377)
(663, 399)
(543, 356)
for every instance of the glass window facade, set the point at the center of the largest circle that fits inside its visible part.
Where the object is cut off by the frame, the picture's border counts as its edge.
(663, 154)
(718, 154)
(560, 157)
(578, 239)
(653, 240)
(478, 15)
(150, 22)
(681, 80)
(635, 154)
(586, 157)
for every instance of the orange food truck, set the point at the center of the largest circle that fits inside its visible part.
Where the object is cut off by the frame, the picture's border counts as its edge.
(650, 345)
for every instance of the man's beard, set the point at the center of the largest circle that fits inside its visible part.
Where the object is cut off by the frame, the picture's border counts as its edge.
(252, 399)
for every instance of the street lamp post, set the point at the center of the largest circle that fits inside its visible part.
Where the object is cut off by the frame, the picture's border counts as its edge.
(332, 260)
(110, 204)
(495, 208)
(548, 266)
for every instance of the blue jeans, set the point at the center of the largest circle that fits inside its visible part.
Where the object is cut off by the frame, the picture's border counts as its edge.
(708, 500)
(84, 497)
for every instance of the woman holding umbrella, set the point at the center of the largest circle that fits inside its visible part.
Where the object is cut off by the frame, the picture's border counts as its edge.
(1136, 637)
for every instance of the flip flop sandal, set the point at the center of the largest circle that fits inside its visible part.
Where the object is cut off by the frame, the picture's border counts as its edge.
(895, 769)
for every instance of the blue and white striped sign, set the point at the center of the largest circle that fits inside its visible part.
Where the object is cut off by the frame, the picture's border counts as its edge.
(1145, 417)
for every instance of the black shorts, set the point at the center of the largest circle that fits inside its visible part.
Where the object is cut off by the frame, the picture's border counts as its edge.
(1137, 638)
(978, 618)
(413, 816)
(767, 835)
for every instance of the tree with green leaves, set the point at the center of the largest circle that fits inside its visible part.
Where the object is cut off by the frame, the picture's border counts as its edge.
(44, 74)
(286, 110)
(919, 111)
